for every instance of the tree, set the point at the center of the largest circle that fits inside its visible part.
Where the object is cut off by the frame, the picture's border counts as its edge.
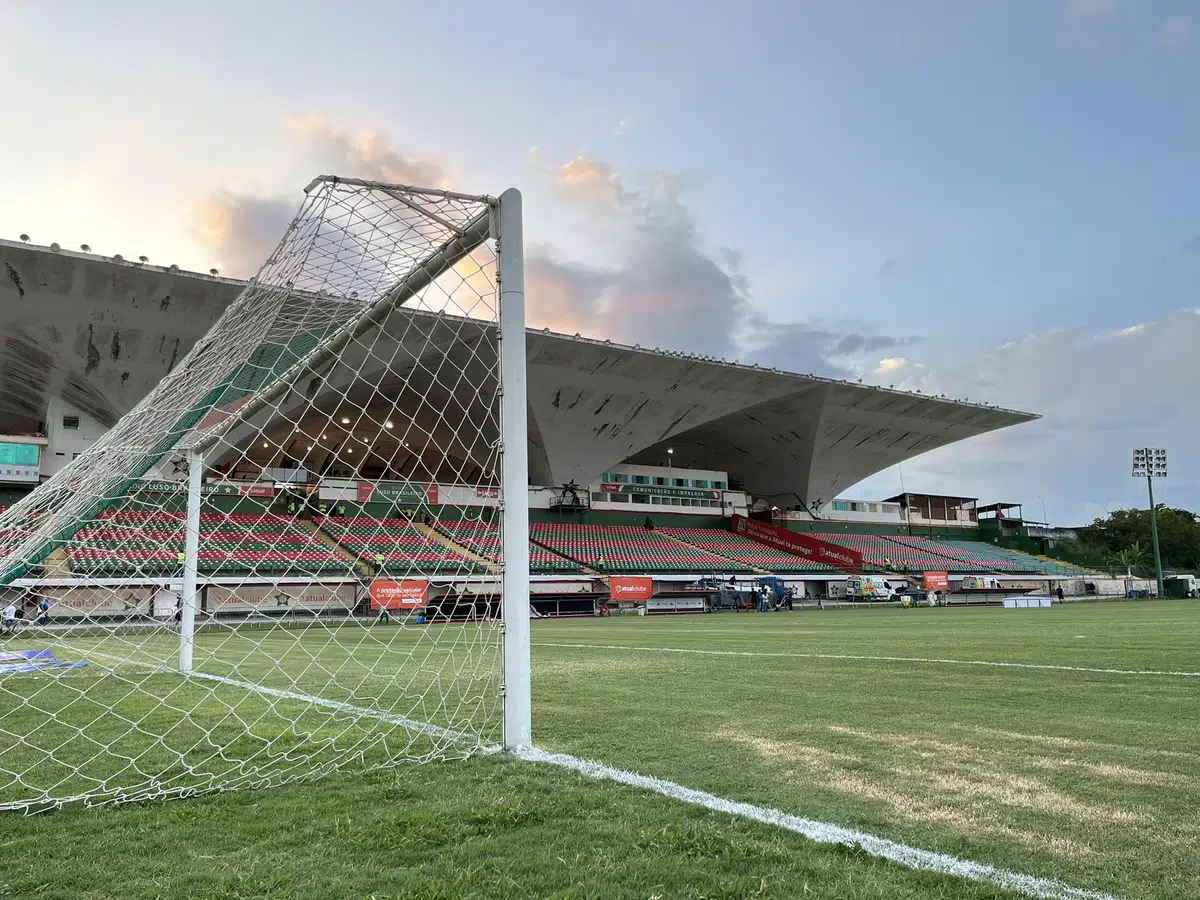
(1132, 557)
(1116, 536)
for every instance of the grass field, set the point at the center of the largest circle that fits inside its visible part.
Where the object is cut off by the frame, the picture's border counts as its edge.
(1075, 773)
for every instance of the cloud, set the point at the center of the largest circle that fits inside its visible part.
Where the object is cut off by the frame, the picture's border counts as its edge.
(1083, 12)
(663, 288)
(241, 229)
(367, 154)
(657, 285)
(1176, 32)
(1100, 395)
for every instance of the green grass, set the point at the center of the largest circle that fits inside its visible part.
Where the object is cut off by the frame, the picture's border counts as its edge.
(1087, 777)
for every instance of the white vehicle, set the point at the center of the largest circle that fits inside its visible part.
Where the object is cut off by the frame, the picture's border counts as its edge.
(868, 587)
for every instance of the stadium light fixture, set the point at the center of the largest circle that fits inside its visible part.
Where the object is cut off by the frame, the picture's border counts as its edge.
(1151, 463)
(345, 420)
(387, 424)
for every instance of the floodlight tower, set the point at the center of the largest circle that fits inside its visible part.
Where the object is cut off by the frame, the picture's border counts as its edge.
(1150, 463)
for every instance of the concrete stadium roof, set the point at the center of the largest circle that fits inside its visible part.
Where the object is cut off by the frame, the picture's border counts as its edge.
(101, 333)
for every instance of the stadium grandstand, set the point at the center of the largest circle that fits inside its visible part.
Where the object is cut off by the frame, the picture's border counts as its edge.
(642, 462)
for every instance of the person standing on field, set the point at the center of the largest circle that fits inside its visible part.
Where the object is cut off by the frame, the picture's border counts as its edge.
(9, 624)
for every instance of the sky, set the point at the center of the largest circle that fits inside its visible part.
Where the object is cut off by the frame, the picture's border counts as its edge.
(995, 200)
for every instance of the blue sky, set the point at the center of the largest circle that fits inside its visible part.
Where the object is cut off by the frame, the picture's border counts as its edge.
(987, 195)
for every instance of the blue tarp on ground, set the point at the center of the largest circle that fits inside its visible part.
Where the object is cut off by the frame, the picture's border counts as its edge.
(13, 662)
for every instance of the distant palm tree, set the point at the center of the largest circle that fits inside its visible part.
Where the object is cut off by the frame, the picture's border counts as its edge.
(1132, 557)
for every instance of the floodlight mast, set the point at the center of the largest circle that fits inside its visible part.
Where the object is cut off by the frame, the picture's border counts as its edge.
(1152, 463)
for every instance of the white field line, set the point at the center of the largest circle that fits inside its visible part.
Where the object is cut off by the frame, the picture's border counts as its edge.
(339, 706)
(826, 833)
(898, 659)
(821, 832)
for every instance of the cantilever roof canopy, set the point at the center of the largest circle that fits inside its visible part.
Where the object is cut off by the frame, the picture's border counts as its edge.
(100, 333)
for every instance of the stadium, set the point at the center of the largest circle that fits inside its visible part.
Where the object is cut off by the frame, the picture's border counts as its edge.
(259, 532)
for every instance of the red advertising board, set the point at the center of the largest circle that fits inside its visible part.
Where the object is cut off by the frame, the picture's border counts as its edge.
(624, 588)
(610, 488)
(364, 491)
(937, 581)
(399, 594)
(803, 545)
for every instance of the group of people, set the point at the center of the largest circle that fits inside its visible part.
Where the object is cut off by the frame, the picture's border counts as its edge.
(12, 613)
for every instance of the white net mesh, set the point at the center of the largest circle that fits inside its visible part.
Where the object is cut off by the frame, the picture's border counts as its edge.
(343, 406)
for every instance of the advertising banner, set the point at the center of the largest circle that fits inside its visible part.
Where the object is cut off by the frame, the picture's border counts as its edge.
(220, 489)
(279, 598)
(937, 581)
(803, 545)
(629, 589)
(400, 492)
(399, 594)
(97, 601)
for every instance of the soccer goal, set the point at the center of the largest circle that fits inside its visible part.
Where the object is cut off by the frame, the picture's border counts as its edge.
(258, 574)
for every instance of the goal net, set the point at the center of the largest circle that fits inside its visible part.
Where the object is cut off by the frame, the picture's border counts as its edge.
(258, 575)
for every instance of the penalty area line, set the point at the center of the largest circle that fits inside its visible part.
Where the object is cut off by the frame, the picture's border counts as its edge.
(925, 660)
(825, 832)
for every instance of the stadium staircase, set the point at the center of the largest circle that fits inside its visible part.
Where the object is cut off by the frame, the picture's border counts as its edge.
(334, 546)
(435, 535)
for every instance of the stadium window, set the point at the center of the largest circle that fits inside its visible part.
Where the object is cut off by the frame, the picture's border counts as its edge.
(718, 485)
(599, 496)
(873, 507)
(641, 479)
(680, 482)
(618, 498)
(660, 481)
(640, 498)
(699, 483)
(71, 422)
(840, 505)
(654, 501)
(606, 477)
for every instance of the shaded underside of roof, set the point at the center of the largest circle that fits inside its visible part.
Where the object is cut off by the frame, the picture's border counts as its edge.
(100, 334)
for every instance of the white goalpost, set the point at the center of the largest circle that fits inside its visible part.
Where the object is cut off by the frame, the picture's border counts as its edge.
(255, 576)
